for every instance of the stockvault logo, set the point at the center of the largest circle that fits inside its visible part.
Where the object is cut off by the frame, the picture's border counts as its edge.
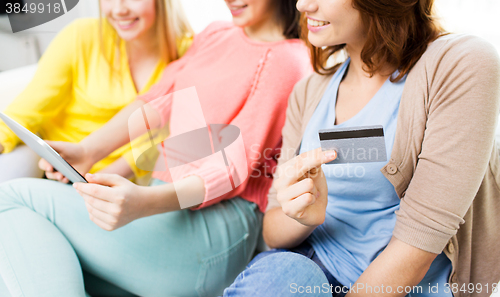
(27, 14)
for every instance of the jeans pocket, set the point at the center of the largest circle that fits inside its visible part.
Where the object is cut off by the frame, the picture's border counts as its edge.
(218, 271)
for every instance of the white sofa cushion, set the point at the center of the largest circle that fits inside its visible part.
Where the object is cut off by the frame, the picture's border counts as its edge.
(12, 83)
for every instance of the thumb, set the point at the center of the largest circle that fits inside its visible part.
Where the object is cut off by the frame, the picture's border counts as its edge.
(105, 179)
(45, 166)
(328, 156)
(58, 146)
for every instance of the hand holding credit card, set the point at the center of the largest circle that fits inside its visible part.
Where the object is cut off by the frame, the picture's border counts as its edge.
(355, 144)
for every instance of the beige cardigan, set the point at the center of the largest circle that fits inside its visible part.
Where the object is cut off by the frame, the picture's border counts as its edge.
(444, 164)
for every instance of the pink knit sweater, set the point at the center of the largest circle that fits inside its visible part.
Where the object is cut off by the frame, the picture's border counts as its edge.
(240, 82)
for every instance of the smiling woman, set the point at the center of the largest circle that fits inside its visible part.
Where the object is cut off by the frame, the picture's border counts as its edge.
(245, 14)
(131, 20)
(242, 71)
(421, 220)
(90, 71)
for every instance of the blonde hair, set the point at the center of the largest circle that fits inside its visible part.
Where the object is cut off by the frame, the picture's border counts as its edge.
(171, 26)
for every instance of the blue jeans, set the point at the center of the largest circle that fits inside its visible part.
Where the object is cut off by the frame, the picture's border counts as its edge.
(281, 272)
(47, 239)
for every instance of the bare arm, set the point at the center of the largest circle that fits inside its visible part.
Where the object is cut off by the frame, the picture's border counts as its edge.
(164, 198)
(120, 167)
(302, 192)
(111, 136)
(126, 124)
(113, 201)
(400, 265)
(281, 231)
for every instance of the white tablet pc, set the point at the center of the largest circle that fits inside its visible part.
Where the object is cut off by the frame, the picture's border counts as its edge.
(43, 150)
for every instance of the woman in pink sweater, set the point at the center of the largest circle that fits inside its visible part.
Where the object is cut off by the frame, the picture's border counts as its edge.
(190, 237)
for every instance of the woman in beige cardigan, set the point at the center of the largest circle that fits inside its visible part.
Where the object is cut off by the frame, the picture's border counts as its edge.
(424, 223)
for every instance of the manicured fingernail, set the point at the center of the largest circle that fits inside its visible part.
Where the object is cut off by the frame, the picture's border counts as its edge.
(330, 154)
(75, 186)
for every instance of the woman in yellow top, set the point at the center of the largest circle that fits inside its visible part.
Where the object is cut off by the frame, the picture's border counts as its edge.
(91, 70)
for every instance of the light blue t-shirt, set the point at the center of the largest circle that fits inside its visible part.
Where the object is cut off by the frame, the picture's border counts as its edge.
(360, 214)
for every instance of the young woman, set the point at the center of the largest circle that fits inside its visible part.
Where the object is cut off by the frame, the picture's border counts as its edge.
(422, 224)
(243, 73)
(91, 70)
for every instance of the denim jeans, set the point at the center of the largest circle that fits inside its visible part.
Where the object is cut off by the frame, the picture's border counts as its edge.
(281, 272)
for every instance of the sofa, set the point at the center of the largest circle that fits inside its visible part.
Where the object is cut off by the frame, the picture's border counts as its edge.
(12, 82)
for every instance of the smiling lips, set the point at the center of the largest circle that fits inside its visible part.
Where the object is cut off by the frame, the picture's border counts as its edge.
(126, 24)
(315, 25)
(237, 10)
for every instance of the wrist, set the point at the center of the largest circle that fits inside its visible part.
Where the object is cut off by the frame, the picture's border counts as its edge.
(305, 230)
(282, 231)
(309, 221)
(145, 201)
(90, 153)
(158, 199)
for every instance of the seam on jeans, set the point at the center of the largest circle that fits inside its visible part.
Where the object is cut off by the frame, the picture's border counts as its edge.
(200, 286)
(228, 252)
(311, 253)
(240, 212)
(13, 275)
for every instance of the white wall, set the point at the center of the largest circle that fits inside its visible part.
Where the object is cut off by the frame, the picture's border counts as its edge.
(203, 12)
(23, 48)
(478, 17)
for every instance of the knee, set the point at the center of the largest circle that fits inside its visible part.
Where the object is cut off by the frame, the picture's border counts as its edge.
(10, 191)
(281, 274)
(17, 185)
(295, 268)
(20, 191)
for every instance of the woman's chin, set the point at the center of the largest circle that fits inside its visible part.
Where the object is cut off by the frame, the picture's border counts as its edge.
(128, 36)
(318, 41)
(238, 22)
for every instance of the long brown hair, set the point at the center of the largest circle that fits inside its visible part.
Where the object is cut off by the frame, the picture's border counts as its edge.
(289, 17)
(398, 33)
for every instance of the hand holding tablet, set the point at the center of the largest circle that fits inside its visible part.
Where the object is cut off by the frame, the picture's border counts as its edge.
(43, 150)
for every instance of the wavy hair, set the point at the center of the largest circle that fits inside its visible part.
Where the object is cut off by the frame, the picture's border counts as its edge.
(398, 33)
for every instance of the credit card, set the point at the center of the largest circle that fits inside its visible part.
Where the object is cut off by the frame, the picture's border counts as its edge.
(355, 144)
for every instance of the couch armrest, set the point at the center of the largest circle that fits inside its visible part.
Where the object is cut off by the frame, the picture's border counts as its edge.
(13, 82)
